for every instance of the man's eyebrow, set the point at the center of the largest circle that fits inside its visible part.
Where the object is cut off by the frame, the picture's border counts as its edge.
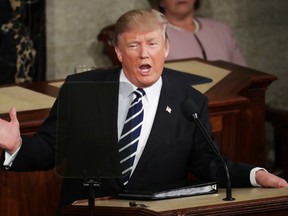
(152, 39)
(132, 42)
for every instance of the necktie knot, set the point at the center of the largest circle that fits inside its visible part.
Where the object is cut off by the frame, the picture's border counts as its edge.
(139, 92)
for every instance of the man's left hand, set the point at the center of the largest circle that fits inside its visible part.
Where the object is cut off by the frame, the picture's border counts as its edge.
(266, 179)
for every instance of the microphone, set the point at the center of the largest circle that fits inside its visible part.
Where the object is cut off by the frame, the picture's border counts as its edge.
(190, 110)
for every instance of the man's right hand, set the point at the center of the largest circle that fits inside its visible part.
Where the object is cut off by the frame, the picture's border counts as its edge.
(10, 139)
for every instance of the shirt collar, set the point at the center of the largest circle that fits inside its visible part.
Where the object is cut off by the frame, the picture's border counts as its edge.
(126, 87)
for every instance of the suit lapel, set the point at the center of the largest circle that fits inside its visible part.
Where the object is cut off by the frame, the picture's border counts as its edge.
(162, 123)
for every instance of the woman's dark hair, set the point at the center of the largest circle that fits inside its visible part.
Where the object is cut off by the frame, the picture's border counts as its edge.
(161, 9)
(197, 4)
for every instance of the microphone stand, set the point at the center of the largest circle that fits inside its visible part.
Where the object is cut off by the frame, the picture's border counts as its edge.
(215, 149)
(91, 183)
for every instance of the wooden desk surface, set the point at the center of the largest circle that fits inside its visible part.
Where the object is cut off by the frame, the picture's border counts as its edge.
(240, 195)
(248, 201)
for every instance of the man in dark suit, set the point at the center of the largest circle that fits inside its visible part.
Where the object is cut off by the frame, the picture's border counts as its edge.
(169, 145)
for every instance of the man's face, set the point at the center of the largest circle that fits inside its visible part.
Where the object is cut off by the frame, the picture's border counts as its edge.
(142, 55)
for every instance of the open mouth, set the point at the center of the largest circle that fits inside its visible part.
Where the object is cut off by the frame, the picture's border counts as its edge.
(145, 68)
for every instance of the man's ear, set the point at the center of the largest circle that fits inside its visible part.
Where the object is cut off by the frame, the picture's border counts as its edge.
(167, 45)
(118, 53)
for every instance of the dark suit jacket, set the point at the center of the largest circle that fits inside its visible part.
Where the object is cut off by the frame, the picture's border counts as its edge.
(174, 148)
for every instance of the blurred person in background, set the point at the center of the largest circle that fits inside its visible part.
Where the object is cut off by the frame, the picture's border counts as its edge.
(192, 36)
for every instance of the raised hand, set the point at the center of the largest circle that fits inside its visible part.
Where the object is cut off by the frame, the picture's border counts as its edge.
(10, 139)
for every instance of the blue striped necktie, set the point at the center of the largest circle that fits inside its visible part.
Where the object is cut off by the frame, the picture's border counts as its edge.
(130, 135)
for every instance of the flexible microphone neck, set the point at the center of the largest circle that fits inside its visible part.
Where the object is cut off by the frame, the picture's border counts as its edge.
(189, 109)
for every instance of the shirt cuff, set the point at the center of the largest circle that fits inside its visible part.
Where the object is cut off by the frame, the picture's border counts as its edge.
(10, 158)
(253, 176)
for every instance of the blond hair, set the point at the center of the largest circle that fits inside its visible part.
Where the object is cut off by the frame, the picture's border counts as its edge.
(142, 20)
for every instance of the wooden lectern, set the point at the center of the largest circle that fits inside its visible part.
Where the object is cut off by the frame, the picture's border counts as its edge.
(249, 202)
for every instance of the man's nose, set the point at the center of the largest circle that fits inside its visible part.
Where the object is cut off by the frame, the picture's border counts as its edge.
(144, 52)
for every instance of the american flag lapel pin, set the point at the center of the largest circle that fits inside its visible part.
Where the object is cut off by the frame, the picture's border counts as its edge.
(168, 109)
